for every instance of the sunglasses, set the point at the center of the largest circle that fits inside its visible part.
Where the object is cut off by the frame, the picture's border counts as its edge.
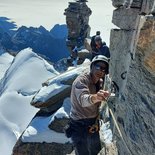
(98, 67)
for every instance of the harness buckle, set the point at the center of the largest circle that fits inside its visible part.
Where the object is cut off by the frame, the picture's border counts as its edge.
(94, 128)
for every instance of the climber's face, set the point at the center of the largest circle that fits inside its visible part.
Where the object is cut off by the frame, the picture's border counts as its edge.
(98, 70)
(98, 42)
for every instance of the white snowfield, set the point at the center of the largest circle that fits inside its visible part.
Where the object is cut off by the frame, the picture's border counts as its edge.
(38, 130)
(22, 79)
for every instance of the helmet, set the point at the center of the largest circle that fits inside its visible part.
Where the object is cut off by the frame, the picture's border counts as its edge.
(98, 38)
(100, 58)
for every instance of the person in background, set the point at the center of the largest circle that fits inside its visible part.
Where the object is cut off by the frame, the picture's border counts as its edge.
(100, 48)
(92, 43)
(86, 97)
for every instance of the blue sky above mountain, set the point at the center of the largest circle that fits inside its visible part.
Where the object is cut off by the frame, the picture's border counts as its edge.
(50, 12)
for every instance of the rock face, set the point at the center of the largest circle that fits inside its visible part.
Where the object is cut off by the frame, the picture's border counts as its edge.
(136, 112)
(146, 44)
(77, 18)
(132, 69)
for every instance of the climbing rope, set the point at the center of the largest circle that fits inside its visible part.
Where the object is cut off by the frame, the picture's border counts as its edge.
(107, 86)
(119, 131)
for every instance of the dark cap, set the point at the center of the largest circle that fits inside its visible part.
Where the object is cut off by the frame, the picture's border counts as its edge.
(98, 32)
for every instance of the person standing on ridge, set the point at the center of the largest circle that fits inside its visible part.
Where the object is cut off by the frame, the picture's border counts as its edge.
(92, 43)
(86, 97)
(100, 48)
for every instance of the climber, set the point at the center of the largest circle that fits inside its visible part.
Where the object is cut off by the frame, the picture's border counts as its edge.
(100, 48)
(86, 97)
(92, 43)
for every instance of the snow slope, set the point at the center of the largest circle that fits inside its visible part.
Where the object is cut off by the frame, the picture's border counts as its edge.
(21, 81)
(5, 61)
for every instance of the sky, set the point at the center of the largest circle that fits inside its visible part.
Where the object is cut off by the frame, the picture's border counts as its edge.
(50, 12)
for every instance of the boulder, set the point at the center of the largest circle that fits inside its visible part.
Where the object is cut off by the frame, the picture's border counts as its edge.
(53, 92)
(126, 19)
(77, 18)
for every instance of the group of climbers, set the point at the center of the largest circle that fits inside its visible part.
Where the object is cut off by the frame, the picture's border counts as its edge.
(86, 96)
(97, 47)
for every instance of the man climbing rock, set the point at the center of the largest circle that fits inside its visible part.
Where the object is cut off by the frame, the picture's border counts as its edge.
(86, 97)
(100, 48)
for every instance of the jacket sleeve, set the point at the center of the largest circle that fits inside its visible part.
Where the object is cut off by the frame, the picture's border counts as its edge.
(106, 51)
(82, 93)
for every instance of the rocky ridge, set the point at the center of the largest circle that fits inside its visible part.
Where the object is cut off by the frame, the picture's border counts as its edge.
(42, 42)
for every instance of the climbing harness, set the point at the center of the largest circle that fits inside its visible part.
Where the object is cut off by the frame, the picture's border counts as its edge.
(95, 127)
